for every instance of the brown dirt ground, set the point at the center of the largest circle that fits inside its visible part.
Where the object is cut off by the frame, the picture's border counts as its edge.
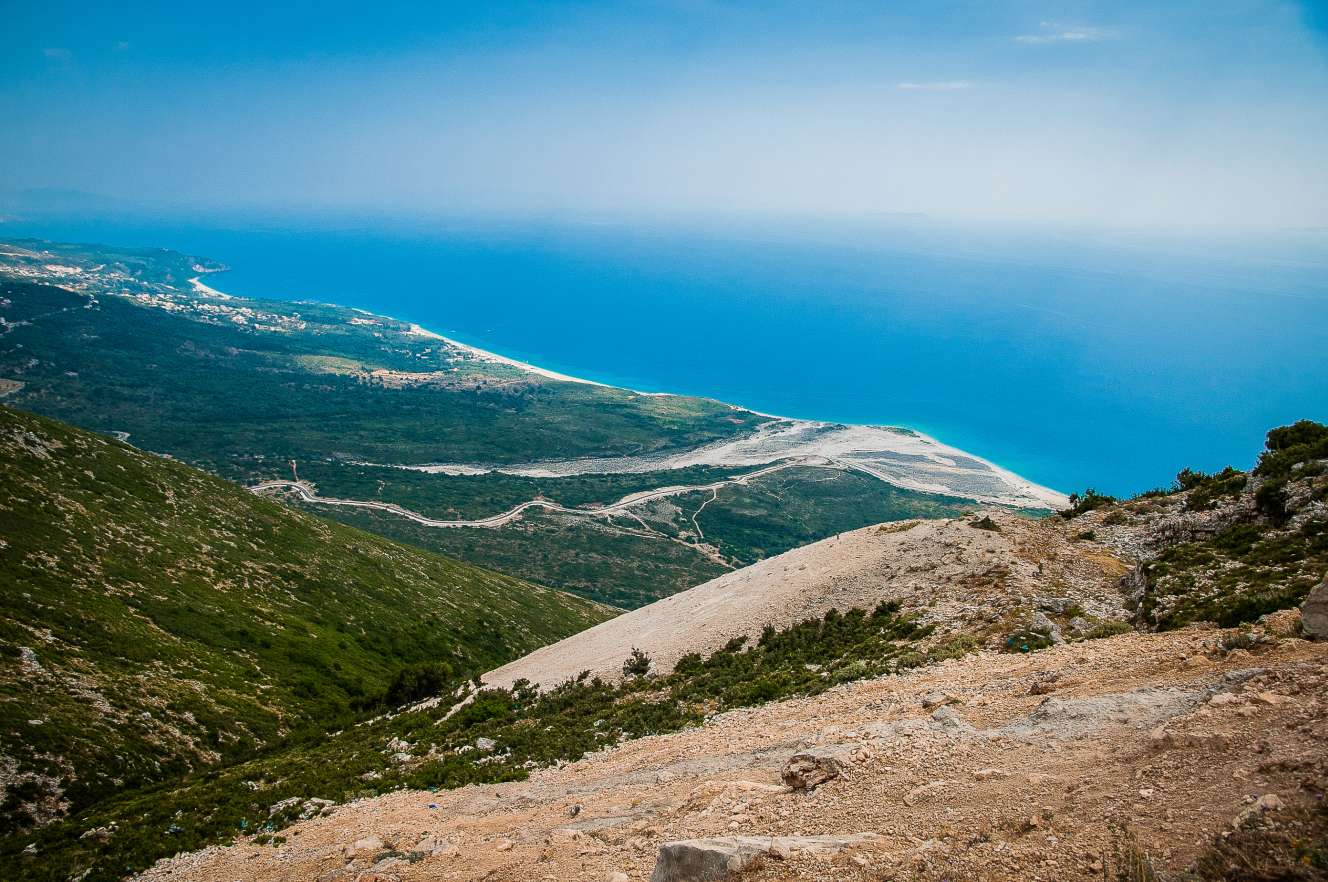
(1167, 734)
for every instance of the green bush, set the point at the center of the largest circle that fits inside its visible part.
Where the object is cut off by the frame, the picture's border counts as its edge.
(417, 682)
(1082, 503)
(637, 664)
(1288, 445)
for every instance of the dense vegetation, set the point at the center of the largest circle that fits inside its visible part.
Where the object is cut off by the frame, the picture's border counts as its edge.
(187, 387)
(155, 619)
(425, 747)
(631, 560)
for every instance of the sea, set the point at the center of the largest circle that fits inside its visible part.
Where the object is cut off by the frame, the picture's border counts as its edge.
(1076, 358)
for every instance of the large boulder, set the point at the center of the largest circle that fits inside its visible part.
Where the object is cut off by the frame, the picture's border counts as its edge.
(1314, 612)
(704, 860)
(812, 768)
(724, 857)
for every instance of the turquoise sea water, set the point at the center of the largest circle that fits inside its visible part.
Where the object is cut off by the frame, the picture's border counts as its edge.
(1072, 359)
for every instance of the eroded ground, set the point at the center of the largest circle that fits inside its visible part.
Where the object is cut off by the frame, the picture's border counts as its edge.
(1170, 735)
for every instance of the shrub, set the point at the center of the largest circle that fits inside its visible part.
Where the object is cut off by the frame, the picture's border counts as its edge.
(417, 682)
(1082, 503)
(637, 665)
(1271, 500)
(1287, 445)
(1025, 640)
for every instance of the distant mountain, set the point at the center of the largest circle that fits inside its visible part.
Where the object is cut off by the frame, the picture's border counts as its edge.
(155, 619)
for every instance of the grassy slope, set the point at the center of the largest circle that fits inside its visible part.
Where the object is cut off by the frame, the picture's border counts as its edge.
(154, 618)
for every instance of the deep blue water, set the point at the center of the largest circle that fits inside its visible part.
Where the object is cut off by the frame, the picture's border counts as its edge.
(1071, 359)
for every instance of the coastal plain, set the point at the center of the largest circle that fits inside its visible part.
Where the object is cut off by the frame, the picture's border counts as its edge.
(620, 496)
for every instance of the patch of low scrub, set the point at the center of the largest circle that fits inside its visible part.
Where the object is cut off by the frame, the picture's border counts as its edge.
(1286, 846)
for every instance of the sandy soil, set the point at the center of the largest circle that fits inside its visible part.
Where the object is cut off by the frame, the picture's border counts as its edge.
(1165, 733)
(900, 457)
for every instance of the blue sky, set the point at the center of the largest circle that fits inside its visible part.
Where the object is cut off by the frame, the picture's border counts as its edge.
(1175, 115)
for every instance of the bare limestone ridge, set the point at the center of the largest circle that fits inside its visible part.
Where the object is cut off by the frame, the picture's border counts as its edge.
(978, 580)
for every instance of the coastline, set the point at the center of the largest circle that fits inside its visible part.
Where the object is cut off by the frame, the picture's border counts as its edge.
(935, 449)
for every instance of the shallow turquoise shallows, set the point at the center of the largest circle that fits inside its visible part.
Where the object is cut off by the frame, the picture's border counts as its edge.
(1071, 359)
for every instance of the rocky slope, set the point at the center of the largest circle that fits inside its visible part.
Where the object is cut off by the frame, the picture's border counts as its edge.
(985, 577)
(995, 766)
(1067, 746)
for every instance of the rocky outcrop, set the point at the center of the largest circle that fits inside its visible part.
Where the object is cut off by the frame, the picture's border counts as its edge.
(705, 860)
(1314, 612)
(810, 769)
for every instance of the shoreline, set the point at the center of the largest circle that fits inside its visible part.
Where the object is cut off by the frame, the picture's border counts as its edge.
(1031, 490)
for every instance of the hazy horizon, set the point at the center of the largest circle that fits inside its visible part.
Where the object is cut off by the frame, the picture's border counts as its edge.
(1173, 117)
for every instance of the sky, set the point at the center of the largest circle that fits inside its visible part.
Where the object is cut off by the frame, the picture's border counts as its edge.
(1202, 114)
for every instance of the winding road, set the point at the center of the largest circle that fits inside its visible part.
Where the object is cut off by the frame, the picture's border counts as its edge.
(306, 492)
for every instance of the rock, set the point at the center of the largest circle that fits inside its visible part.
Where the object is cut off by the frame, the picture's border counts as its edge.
(504, 844)
(282, 805)
(701, 860)
(365, 844)
(1080, 626)
(1044, 684)
(618, 877)
(933, 700)
(316, 808)
(1269, 802)
(1043, 625)
(1314, 612)
(1283, 623)
(990, 774)
(435, 847)
(339, 874)
(809, 770)
(101, 834)
(925, 792)
(482, 743)
(1134, 585)
(950, 721)
(1057, 605)
(705, 860)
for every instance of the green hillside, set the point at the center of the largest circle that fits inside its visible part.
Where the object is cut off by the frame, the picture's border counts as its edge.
(154, 619)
